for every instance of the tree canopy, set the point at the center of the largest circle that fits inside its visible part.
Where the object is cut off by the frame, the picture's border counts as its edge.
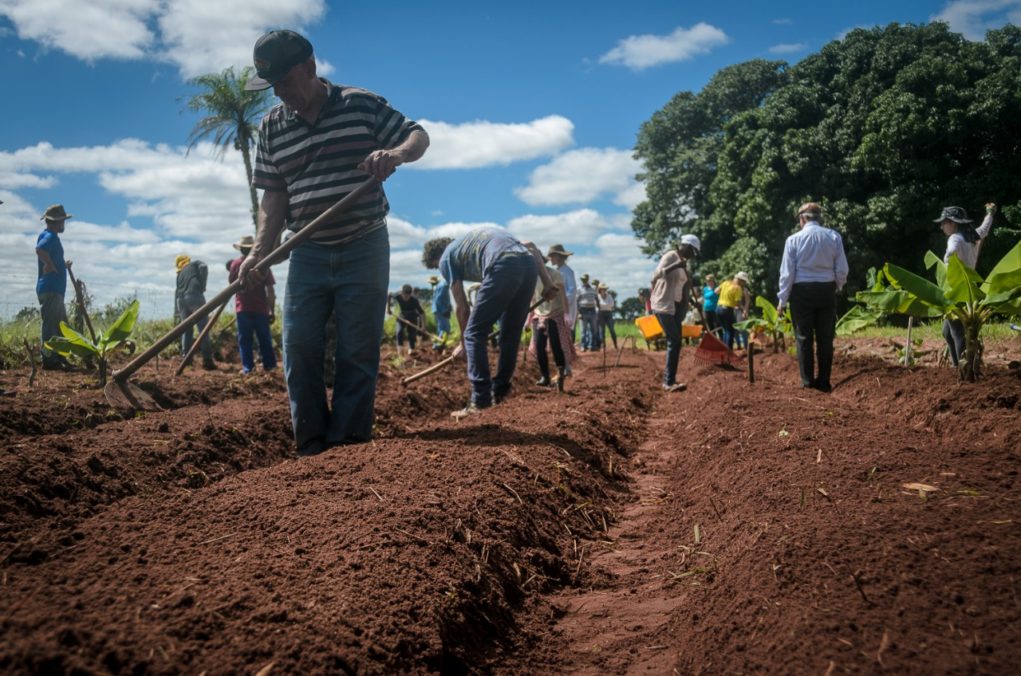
(883, 127)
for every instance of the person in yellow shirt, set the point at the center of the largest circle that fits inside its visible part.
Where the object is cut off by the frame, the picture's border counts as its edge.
(733, 296)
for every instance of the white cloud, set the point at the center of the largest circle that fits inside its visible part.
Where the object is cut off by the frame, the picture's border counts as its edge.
(580, 176)
(91, 30)
(972, 18)
(643, 51)
(195, 35)
(203, 37)
(788, 48)
(14, 181)
(482, 144)
(573, 227)
(781, 22)
(631, 197)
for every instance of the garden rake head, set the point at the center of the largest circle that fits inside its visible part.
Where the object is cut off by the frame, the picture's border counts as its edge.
(712, 350)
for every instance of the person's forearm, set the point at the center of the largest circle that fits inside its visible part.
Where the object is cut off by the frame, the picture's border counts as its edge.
(45, 258)
(413, 147)
(272, 211)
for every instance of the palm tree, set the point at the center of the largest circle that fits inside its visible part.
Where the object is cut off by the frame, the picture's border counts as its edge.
(233, 118)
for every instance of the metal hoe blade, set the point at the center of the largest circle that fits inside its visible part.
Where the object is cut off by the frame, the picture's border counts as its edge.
(126, 395)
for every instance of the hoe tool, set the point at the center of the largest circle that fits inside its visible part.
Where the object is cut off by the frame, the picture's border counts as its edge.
(440, 364)
(198, 341)
(431, 336)
(121, 393)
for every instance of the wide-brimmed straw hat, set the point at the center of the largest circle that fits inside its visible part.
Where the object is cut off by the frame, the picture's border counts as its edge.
(55, 213)
(743, 276)
(246, 242)
(955, 214)
(559, 249)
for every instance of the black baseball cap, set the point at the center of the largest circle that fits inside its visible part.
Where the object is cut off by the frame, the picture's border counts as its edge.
(276, 53)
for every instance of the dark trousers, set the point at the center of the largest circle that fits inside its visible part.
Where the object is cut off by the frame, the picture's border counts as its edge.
(606, 323)
(52, 311)
(672, 329)
(546, 331)
(727, 316)
(712, 322)
(255, 324)
(953, 333)
(504, 296)
(405, 330)
(814, 313)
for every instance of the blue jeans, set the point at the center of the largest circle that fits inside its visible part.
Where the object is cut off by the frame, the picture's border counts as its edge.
(672, 329)
(256, 323)
(52, 311)
(589, 325)
(505, 295)
(442, 325)
(187, 307)
(350, 281)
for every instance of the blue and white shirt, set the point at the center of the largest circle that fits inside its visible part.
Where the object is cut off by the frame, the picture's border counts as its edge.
(813, 254)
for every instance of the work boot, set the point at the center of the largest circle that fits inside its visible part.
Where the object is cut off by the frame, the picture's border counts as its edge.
(209, 364)
(560, 380)
(466, 412)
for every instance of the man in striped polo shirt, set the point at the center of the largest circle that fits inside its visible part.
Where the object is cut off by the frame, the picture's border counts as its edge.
(317, 146)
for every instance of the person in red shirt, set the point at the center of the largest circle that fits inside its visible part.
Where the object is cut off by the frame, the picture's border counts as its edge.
(255, 309)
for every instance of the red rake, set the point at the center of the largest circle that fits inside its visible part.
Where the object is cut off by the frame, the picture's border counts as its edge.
(712, 350)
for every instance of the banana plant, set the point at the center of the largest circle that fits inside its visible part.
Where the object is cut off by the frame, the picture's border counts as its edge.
(959, 294)
(771, 322)
(74, 343)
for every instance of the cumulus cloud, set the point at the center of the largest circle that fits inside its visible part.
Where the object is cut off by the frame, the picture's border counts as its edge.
(91, 30)
(573, 227)
(972, 18)
(483, 144)
(196, 36)
(202, 37)
(580, 176)
(788, 48)
(644, 51)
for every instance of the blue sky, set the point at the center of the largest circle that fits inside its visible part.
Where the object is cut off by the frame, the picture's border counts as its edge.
(533, 108)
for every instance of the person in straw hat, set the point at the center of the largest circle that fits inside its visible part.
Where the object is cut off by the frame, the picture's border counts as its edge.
(189, 297)
(813, 270)
(557, 256)
(51, 283)
(256, 308)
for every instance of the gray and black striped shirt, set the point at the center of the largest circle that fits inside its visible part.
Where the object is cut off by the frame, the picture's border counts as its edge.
(318, 164)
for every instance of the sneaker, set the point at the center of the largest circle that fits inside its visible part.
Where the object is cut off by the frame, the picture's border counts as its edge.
(469, 410)
(543, 382)
(676, 387)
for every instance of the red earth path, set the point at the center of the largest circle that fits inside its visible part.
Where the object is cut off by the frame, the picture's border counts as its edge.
(611, 529)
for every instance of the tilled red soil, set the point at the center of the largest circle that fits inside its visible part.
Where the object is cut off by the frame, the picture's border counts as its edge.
(729, 528)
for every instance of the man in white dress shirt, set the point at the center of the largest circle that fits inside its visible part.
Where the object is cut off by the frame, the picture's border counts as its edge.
(814, 268)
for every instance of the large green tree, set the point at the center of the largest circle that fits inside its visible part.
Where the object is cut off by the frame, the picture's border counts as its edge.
(883, 127)
(232, 117)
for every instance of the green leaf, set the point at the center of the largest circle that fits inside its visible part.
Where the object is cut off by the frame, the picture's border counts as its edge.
(768, 310)
(961, 284)
(856, 319)
(66, 348)
(1006, 275)
(121, 329)
(72, 342)
(931, 260)
(919, 287)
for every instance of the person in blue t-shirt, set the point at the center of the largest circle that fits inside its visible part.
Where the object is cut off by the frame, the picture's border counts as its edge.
(507, 270)
(442, 316)
(51, 283)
